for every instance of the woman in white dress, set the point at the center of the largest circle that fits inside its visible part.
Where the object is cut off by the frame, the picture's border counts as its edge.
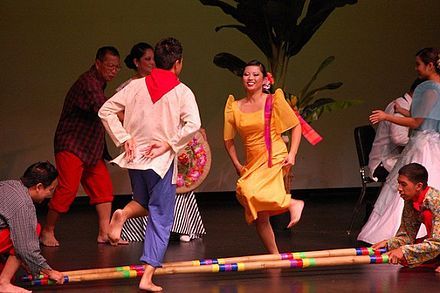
(423, 147)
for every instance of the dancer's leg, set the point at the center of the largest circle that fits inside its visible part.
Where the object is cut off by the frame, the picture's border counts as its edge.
(146, 282)
(47, 237)
(265, 231)
(11, 266)
(70, 170)
(296, 207)
(103, 210)
(162, 196)
(131, 210)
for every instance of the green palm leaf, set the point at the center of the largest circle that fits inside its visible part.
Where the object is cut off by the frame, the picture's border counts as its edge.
(327, 61)
(230, 62)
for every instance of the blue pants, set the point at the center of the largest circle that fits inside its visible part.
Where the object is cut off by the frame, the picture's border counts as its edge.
(158, 196)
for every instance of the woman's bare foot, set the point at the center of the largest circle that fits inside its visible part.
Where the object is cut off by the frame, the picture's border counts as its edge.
(115, 228)
(13, 289)
(295, 208)
(48, 239)
(437, 270)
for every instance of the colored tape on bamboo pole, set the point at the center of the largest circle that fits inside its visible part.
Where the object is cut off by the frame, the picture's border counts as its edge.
(243, 259)
(233, 267)
(282, 256)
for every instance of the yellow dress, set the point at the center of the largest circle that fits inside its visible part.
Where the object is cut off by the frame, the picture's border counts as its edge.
(259, 187)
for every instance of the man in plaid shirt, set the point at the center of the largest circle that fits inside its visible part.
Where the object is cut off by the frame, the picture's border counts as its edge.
(80, 147)
(18, 224)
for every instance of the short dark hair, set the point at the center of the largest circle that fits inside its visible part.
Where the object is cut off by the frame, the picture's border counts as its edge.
(100, 54)
(136, 52)
(430, 55)
(415, 173)
(416, 83)
(256, 63)
(167, 52)
(40, 172)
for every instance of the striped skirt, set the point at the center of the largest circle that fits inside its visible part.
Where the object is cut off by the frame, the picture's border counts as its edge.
(187, 220)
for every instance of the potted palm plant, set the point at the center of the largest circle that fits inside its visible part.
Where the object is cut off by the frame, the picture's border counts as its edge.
(280, 29)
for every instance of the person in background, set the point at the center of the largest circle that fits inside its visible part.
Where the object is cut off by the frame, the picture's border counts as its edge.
(390, 138)
(140, 60)
(80, 147)
(18, 224)
(423, 147)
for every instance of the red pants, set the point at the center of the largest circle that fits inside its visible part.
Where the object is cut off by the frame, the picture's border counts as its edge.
(72, 171)
(6, 246)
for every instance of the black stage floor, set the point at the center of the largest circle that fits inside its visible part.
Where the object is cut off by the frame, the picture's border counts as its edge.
(323, 226)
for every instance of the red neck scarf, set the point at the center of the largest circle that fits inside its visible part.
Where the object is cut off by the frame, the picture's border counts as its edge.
(425, 214)
(160, 82)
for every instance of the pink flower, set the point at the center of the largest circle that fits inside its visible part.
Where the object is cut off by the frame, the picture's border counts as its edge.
(193, 142)
(194, 174)
(198, 149)
(270, 78)
(201, 161)
(180, 182)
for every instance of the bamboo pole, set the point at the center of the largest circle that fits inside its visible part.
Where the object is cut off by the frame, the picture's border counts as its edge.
(232, 267)
(89, 271)
(281, 256)
(239, 259)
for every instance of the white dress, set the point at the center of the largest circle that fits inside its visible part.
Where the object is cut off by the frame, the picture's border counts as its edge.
(423, 148)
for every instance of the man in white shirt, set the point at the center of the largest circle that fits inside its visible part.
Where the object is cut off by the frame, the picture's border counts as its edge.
(390, 139)
(160, 117)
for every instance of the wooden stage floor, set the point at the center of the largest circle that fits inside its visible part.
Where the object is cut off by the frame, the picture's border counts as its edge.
(325, 219)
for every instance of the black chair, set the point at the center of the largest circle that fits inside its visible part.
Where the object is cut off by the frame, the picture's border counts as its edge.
(363, 137)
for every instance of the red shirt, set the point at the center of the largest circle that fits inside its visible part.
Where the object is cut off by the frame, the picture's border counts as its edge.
(426, 215)
(79, 129)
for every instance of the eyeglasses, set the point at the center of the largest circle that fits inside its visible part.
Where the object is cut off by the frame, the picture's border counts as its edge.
(112, 67)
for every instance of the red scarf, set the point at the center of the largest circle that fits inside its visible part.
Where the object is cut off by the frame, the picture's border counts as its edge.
(310, 134)
(425, 214)
(160, 82)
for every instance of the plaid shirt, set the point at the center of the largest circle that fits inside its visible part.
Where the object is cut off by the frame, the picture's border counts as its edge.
(79, 129)
(17, 212)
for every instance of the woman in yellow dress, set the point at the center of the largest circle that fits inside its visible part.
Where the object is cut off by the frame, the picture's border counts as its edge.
(260, 119)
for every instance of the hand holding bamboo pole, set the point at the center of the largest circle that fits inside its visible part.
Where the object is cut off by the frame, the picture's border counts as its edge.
(239, 259)
(231, 267)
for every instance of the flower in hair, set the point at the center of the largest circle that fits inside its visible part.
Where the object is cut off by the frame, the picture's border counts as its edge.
(270, 78)
(269, 82)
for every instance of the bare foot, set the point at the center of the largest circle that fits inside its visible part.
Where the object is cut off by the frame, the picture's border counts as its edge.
(149, 286)
(106, 241)
(146, 282)
(437, 270)
(116, 223)
(295, 208)
(48, 239)
(13, 289)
